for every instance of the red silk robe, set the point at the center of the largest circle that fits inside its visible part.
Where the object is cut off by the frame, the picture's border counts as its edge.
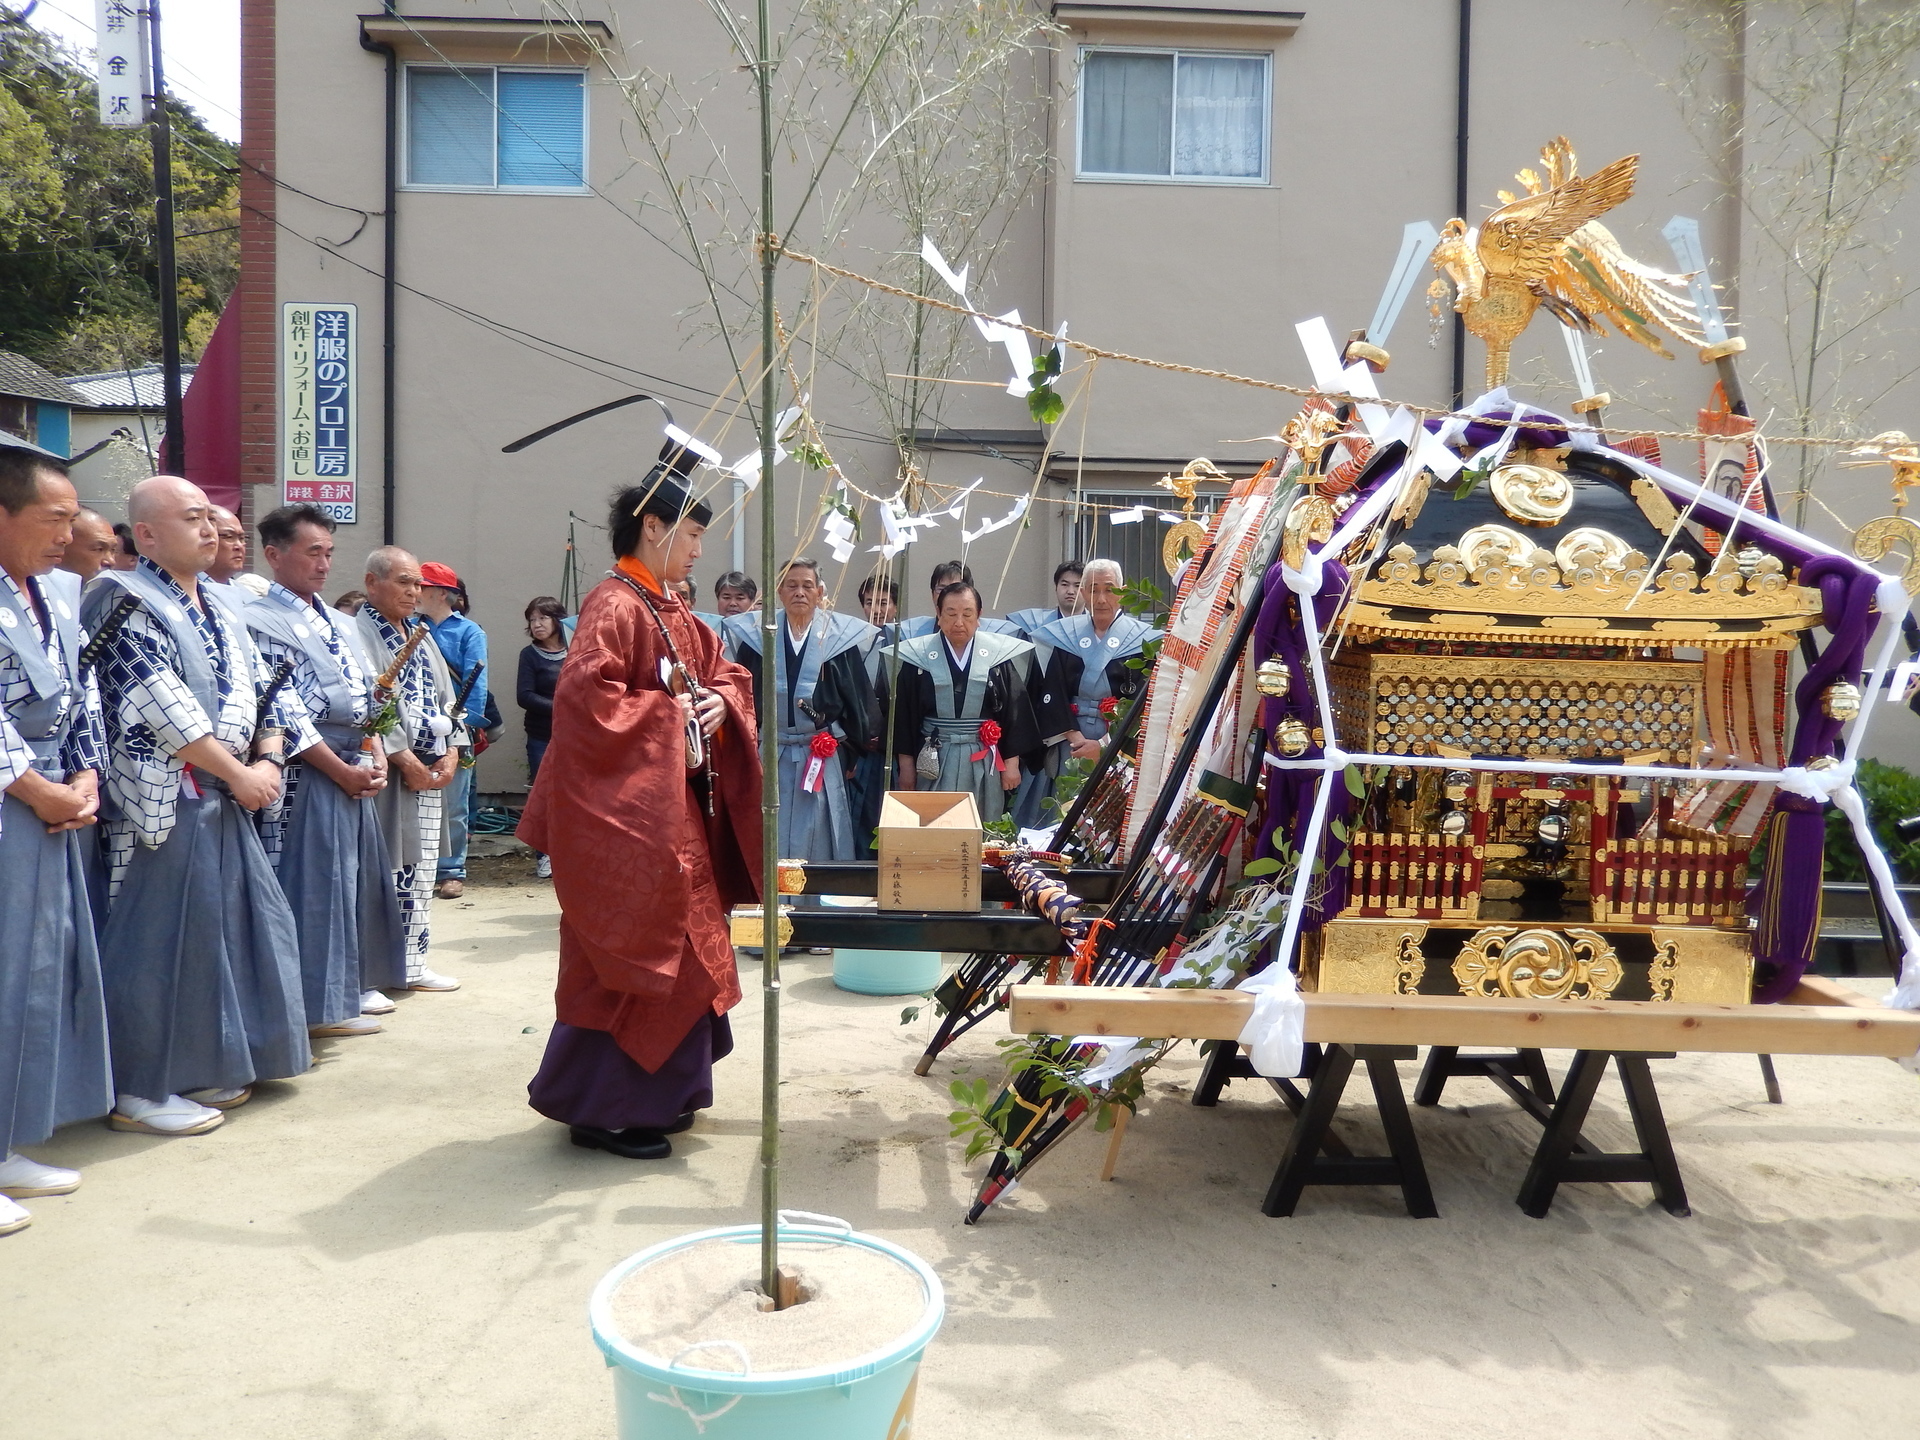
(644, 876)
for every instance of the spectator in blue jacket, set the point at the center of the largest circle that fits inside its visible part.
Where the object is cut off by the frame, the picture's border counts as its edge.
(463, 645)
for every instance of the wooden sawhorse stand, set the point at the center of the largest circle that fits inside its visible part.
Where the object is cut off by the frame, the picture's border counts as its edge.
(1314, 1154)
(1302, 1164)
(1563, 1155)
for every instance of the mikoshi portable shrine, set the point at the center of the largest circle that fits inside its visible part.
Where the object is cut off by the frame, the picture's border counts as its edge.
(1471, 730)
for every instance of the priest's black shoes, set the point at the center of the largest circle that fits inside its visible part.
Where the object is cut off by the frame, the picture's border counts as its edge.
(632, 1144)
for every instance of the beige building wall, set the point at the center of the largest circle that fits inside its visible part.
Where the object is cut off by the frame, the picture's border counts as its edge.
(518, 309)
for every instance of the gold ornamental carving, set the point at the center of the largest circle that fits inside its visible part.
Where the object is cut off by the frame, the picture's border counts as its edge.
(1186, 535)
(1410, 966)
(1531, 964)
(1654, 504)
(1371, 957)
(1493, 572)
(745, 927)
(1697, 965)
(1590, 549)
(1532, 494)
(1889, 447)
(1873, 539)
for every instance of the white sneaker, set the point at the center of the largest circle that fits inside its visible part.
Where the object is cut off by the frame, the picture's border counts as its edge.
(352, 1025)
(176, 1115)
(543, 868)
(221, 1099)
(375, 1002)
(21, 1178)
(13, 1217)
(432, 980)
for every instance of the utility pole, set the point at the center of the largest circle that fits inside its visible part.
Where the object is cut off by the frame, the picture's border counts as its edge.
(173, 445)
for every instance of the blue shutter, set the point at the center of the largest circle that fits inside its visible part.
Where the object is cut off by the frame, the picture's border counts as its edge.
(542, 128)
(449, 127)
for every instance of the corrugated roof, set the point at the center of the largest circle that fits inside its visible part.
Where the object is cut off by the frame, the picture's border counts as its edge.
(20, 376)
(136, 389)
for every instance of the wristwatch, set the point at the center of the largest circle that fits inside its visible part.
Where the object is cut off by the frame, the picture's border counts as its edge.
(276, 757)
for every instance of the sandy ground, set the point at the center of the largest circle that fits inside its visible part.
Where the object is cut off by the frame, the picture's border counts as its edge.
(396, 1246)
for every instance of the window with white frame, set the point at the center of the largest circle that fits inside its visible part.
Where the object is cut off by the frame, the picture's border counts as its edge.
(1174, 115)
(485, 127)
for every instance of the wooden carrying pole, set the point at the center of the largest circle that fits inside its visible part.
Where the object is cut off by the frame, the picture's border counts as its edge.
(1819, 1019)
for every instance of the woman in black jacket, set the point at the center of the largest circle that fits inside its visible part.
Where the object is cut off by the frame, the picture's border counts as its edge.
(539, 673)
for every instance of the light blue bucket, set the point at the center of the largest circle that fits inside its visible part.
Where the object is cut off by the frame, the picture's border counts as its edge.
(865, 1397)
(886, 972)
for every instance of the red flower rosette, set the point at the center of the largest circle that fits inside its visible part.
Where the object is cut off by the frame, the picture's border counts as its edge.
(989, 742)
(822, 748)
(1109, 707)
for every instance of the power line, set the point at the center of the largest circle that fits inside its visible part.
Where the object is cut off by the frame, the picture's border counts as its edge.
(544, 345)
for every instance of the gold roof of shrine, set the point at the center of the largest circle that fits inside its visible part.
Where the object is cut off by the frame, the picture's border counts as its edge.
(1546, 555)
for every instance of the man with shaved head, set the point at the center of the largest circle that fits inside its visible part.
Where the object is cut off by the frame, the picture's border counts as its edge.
(199, 952)
(423, 747)
(53, 1027)
(229, 567)
(92, 547)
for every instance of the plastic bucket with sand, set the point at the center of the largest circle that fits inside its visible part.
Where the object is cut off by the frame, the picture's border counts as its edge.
(694, 1355)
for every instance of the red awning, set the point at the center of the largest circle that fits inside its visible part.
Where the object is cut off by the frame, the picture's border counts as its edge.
(210, 413)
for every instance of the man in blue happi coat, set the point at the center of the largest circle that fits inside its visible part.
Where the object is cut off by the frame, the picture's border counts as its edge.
(53, 1036)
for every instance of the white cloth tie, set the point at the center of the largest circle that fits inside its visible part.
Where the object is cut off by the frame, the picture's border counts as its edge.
(1276, 1032)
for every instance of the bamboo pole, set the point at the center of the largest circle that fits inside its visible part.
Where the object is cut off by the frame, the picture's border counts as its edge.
(769, 683)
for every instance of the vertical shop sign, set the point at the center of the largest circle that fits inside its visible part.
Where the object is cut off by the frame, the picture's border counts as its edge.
(319, 389)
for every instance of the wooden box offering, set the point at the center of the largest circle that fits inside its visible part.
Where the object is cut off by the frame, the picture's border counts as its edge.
(929, 848)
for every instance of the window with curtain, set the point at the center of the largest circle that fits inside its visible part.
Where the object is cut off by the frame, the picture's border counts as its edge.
(1174, 114)
(490, 128)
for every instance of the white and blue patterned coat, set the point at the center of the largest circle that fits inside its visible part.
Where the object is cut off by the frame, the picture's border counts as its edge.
(152, 712)
(84, 745)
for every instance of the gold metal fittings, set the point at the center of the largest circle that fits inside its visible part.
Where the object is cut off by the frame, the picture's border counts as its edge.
(1873, 539)
(1840, 701)
(1503, 960)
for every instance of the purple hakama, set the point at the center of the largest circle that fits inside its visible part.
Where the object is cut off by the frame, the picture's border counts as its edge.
(587, 1079)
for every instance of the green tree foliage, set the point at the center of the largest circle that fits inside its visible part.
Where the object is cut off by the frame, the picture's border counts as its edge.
(29, 183)
(79, 283)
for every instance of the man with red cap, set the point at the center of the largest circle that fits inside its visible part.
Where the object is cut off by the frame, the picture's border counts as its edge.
(463, 645)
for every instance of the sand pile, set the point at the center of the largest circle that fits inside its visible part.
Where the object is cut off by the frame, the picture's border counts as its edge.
(708, 1294)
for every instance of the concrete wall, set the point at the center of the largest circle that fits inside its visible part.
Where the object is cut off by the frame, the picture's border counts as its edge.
(1362, 142)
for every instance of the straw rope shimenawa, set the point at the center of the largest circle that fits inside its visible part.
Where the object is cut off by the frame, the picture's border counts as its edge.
(1304, 392)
